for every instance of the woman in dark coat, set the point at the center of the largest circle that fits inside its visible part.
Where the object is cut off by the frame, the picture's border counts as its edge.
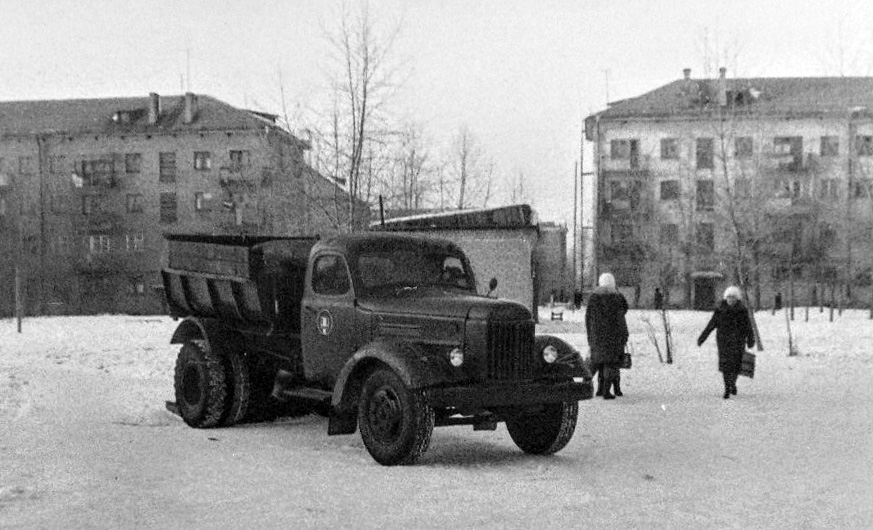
(734, 333)
(607, 333)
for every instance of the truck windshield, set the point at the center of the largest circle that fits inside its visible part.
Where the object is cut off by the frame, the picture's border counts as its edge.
(412, 269)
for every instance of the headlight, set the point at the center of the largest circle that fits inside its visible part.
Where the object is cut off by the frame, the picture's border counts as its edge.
(550, 354)
(456, 357)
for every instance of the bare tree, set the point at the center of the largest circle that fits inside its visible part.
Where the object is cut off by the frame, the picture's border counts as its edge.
(471, 170)
(362, 81)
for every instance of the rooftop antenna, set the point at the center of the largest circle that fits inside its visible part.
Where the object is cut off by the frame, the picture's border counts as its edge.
(188, 67)
(606, 76)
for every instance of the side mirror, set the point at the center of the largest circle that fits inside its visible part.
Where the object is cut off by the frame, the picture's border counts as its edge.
(491, 286)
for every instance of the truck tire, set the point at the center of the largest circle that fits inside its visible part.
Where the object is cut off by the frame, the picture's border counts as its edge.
(200, 385)
(396, 422)
(239, 388)
(546, 431)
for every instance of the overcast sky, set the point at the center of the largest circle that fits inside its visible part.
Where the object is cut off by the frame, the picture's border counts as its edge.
(521, 74)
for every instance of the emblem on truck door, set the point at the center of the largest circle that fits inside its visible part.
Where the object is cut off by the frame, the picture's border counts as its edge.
(324, 321)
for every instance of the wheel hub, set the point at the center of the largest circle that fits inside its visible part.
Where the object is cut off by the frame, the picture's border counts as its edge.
(385, 414)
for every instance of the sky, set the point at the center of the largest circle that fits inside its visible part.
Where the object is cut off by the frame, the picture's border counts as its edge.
(520, 74)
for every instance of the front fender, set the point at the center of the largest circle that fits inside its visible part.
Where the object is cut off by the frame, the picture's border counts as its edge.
(409, 361)
(569, 362)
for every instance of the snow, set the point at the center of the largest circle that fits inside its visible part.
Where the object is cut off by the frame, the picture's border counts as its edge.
(85, 442)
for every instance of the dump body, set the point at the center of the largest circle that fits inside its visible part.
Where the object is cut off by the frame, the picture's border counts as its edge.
(249, 283)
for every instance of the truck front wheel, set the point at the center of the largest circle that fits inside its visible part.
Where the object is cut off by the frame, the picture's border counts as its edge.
(199, 383)
(545, 431)
(396, 422)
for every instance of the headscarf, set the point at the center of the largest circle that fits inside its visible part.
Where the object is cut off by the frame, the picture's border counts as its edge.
(606, 280)
(733, 290)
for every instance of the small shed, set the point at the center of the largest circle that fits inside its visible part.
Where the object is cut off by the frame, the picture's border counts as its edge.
(500, 243)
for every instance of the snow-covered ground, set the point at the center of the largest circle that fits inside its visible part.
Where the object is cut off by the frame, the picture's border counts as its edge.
(85, 442)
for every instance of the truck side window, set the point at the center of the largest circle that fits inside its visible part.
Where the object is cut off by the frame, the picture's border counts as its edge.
(330, 276)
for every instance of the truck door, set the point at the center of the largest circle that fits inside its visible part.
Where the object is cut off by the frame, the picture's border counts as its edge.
(327, 326)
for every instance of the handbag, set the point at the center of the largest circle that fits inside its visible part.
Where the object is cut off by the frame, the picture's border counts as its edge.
(626, 360)
(747, 368)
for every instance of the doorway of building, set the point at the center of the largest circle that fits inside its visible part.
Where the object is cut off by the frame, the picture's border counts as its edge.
(704, 293)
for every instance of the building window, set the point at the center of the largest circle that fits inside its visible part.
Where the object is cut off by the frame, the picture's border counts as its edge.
(202, 160)
(622, 232)
(239, 160)
(619, 149)
(169, 212)
(743, 147)
(706, 236)
(203, 201)
(705, 195)
(705, 157)
(136, 286)
(134, 202)
(56, 164)
(864, 145)
(830, 146)
(91, 204)
(134, 242)
(167, 167)
(25, 165)
(99, 244)
(788, 188)
(669, 234)
(669, 148)
(670, 190)
(618, 191)
(132, 163)
(828, 189)
(789, 145)
(860, 188)
(98, 173)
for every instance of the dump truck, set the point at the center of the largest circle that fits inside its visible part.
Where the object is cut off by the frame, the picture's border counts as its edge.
(381, 332)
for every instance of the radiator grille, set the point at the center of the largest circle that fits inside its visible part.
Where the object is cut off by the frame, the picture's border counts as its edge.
(510, 350)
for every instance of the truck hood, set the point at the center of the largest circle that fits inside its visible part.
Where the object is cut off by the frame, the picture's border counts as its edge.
(447, 303)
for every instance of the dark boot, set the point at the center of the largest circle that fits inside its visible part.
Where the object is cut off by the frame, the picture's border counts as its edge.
(606, 393)
(734, 384)
(617, 387)
(727, 385)
(600, 384)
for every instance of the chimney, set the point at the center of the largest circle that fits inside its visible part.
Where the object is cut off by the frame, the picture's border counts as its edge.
(686, 73)
(154, 108)
(190, 107)
(722, 87)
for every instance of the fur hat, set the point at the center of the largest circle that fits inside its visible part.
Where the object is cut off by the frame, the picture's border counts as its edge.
(606, 280)
(734, 291)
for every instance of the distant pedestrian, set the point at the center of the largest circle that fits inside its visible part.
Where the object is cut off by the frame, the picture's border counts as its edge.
(607, 333)
(734, 333)
(659, 299)
(777, 302)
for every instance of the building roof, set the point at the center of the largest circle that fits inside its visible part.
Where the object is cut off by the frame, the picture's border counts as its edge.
(514, 216)
(89, 116)
(791, 96)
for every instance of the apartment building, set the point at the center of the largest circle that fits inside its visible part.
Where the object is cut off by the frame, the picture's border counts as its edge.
(764, 182)
(88, 188)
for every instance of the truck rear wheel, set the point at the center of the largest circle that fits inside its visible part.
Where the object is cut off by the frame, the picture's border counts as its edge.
(396, 422)
(546, 431)
(200, 385)
(239, 387)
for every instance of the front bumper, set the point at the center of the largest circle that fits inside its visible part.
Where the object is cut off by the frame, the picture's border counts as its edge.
(487, 396)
